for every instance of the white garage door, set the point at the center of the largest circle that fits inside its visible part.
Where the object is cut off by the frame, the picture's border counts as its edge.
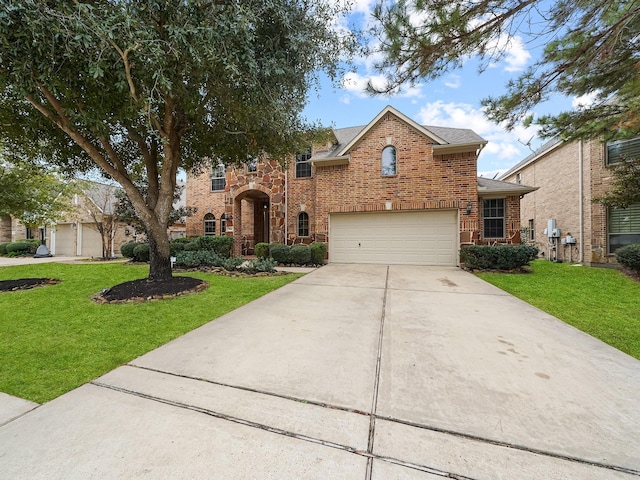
(91, 241)
(65, 244)
(401, 238)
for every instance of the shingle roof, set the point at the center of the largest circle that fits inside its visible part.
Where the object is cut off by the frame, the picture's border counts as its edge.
(489, 185)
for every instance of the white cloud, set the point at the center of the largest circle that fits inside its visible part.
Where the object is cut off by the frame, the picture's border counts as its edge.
(503, 148)
(362, 6)
(584, 101)
(356, 84)
(453, 81)
(512, 51)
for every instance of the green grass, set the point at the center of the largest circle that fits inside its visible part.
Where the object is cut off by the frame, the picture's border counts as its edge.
(599, 301)
(55, 338)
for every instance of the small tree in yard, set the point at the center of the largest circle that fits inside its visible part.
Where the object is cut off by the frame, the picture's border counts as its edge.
(139, 89)
(100, 207)
(625, 189)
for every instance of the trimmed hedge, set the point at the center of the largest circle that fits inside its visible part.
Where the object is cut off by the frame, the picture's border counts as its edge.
(19, 248)
(300, 255)
(127, 249)
(141, 252)
(176, 246)
(279, 252)
(318, 252)
(222, 245)
(262, 250)
(3, 248)
(629, 256)
(503, 257)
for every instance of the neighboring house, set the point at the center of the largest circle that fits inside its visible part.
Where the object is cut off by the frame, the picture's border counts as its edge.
(392, 191)
(77, 234)
(569, 176)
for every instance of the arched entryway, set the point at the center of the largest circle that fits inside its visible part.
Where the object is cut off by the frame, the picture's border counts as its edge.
(252, 220)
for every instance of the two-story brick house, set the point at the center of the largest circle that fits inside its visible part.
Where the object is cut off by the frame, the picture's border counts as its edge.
(392, 191)
(569, 176)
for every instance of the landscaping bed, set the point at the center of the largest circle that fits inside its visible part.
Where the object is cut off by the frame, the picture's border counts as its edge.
(25, 283)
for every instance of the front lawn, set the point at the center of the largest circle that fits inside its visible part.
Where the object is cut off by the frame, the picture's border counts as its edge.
(599, 301)
(55, 338)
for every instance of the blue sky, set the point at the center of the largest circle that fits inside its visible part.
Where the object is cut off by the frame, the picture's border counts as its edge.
(451, 101)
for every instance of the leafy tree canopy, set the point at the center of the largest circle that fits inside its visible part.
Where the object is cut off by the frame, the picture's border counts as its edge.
(625, 189)
(34, 196)
(592, 47)
(140, 88)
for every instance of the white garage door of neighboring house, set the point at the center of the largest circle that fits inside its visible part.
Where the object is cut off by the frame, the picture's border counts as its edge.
(91, 241)
(405, 238)
(64, 240)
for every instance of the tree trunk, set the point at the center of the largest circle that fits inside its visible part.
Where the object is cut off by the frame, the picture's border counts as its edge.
(159, 256)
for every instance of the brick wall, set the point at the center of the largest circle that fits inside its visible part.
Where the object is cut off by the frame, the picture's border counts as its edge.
(557, 176)
(423, 181)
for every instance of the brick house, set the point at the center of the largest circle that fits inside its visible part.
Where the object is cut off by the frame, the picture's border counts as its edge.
(392, 191)
(569, 176)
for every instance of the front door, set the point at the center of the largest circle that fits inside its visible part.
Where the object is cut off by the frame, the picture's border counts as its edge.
(261, 221)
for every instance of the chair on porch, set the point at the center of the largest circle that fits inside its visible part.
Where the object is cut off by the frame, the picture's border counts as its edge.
(468, 238)
(512, 239)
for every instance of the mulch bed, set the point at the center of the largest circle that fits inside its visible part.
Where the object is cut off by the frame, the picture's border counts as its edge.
(143, 290)
(26, 283)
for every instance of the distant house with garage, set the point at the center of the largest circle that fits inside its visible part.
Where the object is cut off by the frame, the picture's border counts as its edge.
(392, 191)
(77, 233)
(569, 175)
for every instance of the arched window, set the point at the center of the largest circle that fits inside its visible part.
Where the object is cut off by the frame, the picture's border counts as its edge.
(223, 223)
(209, 224)
(303, 224)
(389, 164)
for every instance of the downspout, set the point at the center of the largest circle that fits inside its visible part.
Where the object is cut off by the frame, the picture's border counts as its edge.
(581, 207)
(286, 205)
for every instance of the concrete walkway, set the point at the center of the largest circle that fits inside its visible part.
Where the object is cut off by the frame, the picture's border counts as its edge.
(351, 372)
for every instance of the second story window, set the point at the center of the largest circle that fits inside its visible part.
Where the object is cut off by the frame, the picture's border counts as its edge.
(303, 166)
(623, 149)
(218, 181)
(389, 161)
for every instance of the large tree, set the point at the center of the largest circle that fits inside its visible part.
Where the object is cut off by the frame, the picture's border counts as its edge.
(591, 47)
(141, 88)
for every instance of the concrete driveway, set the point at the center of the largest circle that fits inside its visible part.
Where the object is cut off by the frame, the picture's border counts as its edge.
(351, 372)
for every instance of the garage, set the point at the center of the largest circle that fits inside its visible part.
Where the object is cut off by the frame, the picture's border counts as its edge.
(64, 240)
(400, 238)
(91, 241)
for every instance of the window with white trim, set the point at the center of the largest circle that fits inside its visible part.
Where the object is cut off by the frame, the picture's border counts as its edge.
(209, 224)
(303, 165)
(303, 224)
(223, 223)
(623, 226)
(493, 217)
(218, 180)
(389, 161)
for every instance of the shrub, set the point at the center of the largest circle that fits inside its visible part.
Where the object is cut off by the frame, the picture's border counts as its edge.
(222, 245)
(318, 252)
(504, 257)
(18, 248)
(182, 240)
(198, 258)
(629, 256)
(279, 252)
(3, 248)
(127, 249)
(300, 255)
(141, 252)
(176, 247)
(192, 246)
(231, 263)
(262, 250)
(265, 264)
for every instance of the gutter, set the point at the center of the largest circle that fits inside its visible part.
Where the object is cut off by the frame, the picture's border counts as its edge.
(581, 199)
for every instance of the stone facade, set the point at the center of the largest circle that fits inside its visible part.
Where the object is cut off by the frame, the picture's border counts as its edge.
(564, 195)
